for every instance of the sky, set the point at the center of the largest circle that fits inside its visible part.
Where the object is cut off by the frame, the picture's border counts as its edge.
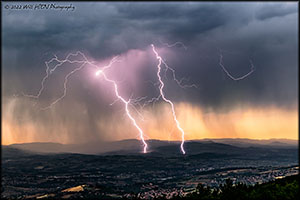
(258, 36)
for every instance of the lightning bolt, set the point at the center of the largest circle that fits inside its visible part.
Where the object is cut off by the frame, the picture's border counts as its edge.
(179, 82)
(50, 71)
(161, 86)
(65, 86)
(84, 62)
(232, 77)
(126, 103)
(153, 100)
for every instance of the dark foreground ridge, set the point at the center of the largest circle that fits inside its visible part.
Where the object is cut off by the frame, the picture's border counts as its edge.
(286, 188)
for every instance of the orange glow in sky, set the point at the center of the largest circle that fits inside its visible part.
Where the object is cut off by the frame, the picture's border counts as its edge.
(250, 122)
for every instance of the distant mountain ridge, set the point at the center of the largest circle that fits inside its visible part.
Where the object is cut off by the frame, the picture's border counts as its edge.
(244, 142)
(158, 147)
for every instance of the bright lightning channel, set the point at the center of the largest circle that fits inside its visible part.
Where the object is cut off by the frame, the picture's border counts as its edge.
(101, 72)
(161, 86)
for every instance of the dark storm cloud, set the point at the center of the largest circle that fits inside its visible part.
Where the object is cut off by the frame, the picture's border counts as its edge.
(93, 26)
(270, 10)
(264, 32)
